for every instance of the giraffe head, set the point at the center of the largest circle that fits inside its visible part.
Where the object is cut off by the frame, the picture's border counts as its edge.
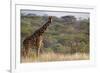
(50, 19)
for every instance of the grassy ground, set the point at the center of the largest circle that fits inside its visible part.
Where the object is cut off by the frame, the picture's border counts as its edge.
(45, 57)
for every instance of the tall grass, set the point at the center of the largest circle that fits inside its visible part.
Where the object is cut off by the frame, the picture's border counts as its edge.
(50, 56)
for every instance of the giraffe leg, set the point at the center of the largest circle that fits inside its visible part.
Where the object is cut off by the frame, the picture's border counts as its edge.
(41, 51)
(38, 45)
(26, 50)
(37, 52)
(23, 52)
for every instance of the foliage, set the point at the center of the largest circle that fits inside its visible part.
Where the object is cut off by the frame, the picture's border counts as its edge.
(64, 35)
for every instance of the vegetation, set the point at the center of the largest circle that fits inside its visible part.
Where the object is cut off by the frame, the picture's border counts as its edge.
(51, 56)
(65, 36)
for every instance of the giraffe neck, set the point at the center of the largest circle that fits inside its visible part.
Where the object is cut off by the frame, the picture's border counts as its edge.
(42, 29)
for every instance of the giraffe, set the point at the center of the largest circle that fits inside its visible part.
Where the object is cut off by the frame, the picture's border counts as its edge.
(35, 40)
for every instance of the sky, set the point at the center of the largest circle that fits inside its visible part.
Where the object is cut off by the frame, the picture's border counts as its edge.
(78, 15)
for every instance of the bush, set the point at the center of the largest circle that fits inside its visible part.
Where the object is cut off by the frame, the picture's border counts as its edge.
(58, 48)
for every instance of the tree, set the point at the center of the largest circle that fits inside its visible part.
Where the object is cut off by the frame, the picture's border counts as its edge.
(69, 19)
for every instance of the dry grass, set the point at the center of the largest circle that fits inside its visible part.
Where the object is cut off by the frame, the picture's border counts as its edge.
(55, 57)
